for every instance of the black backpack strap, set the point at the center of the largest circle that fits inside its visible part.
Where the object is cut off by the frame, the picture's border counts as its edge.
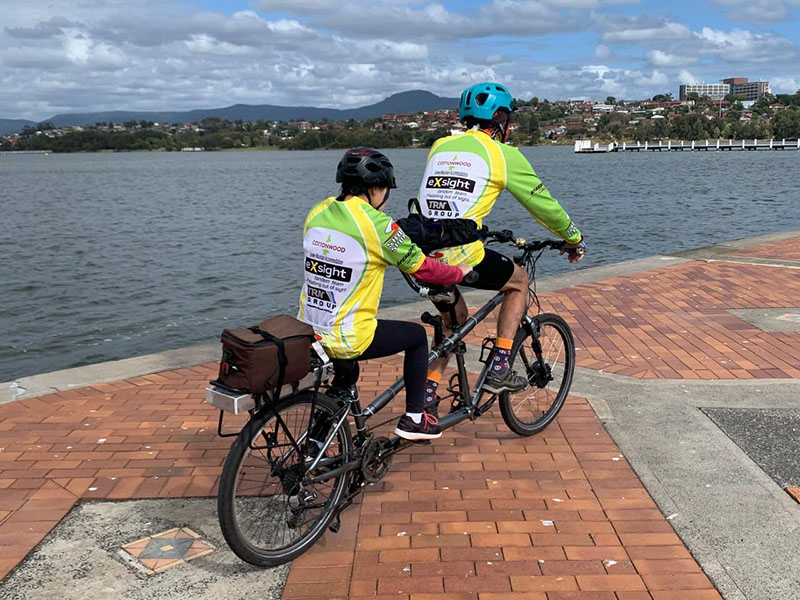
(414, 203)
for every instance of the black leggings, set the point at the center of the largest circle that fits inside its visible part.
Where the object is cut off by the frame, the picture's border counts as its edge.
(392, 337)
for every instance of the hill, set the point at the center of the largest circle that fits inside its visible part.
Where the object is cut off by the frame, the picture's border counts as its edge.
(9, 126)
(404, 102)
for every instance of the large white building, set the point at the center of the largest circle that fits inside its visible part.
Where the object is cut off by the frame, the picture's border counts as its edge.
(739, 86)
(715, 91)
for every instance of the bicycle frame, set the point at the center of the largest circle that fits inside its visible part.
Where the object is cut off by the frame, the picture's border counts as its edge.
(471, 411)
(448, 345)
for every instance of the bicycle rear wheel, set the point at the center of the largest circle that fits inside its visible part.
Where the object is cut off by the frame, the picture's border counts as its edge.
(547, 359)
(266, 513)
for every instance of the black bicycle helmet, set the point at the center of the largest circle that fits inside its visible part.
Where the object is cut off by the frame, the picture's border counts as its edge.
(365, 166)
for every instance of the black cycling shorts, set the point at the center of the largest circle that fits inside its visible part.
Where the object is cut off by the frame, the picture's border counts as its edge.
(494, 271)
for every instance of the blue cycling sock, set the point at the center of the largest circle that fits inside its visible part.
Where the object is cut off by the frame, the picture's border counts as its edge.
(499, 364)
(430, 391)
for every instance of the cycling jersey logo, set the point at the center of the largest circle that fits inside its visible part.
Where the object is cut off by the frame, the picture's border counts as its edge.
(396, 238)
(451, 183)
(321, 299)
(327, 246)
(328, 271)
(319, 294)
(451, 164)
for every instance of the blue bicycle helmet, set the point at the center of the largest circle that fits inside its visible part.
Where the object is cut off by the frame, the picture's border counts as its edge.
(482, 100)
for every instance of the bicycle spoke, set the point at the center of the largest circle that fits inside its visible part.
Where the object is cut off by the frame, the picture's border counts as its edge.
(549, 373)
(274, 505)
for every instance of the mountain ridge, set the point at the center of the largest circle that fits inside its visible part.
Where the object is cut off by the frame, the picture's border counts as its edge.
(408, 102)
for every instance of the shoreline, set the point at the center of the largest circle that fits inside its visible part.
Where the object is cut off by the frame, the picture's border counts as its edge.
(247, 149)
(31, 386)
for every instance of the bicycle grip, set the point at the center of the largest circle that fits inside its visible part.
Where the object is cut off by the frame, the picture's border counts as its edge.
(470, 278)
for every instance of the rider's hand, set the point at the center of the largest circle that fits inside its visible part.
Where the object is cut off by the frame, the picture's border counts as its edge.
(574, 251)
(465, 269)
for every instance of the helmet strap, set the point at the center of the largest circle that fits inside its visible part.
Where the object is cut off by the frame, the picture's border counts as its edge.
(385, 198)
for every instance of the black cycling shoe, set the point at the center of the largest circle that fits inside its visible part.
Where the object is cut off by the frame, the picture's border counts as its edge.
(427, 429)
(507, 382)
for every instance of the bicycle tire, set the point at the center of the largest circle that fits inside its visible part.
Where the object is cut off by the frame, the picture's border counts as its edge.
(235, 470)
(547, 410)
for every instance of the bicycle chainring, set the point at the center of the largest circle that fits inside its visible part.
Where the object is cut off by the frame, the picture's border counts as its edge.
(374, 468)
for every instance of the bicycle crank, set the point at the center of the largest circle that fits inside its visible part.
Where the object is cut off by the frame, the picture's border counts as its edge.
(540, 374)
(376, 459)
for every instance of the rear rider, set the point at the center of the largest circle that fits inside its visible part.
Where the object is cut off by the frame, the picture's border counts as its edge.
(348, 241)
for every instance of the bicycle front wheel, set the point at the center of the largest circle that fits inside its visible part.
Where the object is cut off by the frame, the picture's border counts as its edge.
(267, 514)
(547, 359)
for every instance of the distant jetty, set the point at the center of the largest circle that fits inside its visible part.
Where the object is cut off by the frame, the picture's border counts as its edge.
(587, 147)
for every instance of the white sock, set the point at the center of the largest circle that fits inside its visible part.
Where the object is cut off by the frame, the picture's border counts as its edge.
(416, 417)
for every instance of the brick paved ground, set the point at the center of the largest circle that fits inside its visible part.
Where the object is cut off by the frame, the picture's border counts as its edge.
(480, 512)
(674, 323)
(785, 250)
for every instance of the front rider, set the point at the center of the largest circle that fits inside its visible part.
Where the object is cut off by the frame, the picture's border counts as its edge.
(348, 241)
(464, 175)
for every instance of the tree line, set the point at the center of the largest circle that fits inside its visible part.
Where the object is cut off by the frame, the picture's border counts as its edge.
(216, 134)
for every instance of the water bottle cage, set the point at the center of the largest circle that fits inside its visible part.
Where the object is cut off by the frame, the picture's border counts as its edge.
(486, 349)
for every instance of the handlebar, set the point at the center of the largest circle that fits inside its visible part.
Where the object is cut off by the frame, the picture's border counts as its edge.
(506, 235)
(446, 293)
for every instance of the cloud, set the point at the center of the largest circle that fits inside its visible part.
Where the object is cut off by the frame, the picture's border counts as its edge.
(745, 46)
(42, 30)
(599, 80)
(640, 29)
(785, 85)
(602, 51)
(665, 59)
(759, 11)
(78, 56)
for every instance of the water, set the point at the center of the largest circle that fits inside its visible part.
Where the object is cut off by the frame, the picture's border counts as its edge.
(108, 256)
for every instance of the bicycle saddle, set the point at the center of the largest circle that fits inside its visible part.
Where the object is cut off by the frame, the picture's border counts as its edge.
(345, 373)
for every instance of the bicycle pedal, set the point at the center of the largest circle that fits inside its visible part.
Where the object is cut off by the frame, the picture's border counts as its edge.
(422, 442)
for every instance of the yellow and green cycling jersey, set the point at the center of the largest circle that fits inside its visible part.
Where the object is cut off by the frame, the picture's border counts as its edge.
(464, 176)
(347, 245)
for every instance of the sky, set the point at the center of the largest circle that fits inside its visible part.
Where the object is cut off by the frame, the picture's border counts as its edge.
(60, 56)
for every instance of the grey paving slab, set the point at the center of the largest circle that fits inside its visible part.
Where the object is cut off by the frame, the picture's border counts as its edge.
(770, 319)
(81, 558)
(740, 525)
(769, 436)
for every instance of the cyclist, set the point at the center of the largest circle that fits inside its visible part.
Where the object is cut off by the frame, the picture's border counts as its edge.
(464, 175)
(348, 241)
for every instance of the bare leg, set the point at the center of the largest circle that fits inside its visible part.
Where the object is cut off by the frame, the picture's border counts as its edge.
(440, 364)
(515, 295)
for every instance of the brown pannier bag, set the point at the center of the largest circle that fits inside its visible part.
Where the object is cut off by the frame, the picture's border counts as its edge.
(266, 356)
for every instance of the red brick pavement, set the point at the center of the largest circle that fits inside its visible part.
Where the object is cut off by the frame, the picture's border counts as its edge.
(785, 250)
(480, 509)
(486, 515)
(674, 322)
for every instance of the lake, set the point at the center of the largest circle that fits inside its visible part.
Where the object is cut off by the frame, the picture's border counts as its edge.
(108, 256)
